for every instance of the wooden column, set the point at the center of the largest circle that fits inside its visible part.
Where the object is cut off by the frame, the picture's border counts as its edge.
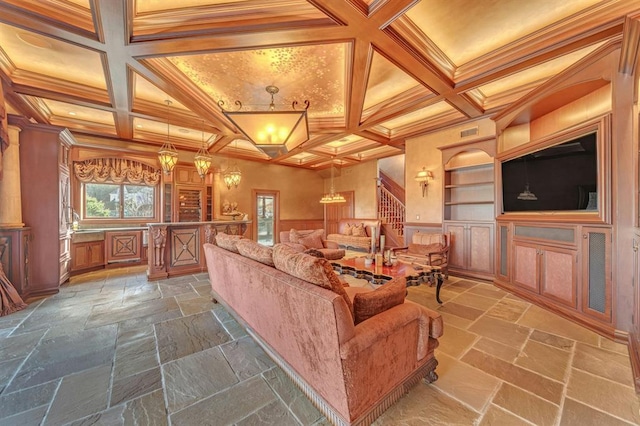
(157, 254)
(11, 207)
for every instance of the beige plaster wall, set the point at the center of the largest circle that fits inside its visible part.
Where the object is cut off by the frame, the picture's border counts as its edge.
(300, 190)
(394, 168)
(424, 151)
(361, 179)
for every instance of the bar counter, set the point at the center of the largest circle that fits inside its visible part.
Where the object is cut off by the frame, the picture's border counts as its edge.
(175, 248)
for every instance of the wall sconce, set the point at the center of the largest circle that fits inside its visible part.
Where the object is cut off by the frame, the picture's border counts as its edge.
(423, 177)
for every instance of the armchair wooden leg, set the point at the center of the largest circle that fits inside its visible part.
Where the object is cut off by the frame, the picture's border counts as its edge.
(440, 281)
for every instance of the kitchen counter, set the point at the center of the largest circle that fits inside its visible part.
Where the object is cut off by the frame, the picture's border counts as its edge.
(175, 248)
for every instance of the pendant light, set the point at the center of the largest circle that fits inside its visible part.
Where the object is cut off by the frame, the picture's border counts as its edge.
(168, 155)
(332, 197)
(202, 159)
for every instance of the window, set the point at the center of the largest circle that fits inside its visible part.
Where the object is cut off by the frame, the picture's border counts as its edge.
(114, 201)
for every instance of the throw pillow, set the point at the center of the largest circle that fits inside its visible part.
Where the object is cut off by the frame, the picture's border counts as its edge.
(368, 304)
(255, 251)
(359, 231)
(313, 240)
(425, 249)
(308, 268)
(228, 242)
(348, 229)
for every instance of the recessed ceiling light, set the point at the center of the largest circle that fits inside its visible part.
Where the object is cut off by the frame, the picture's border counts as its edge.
(183, 130)
(139, 126)
(72, 113)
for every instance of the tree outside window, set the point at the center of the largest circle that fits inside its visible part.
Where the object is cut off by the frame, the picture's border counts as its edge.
(116, 201)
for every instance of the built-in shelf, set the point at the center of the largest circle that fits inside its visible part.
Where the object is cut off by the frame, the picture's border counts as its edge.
(469, 193)
(457, 203)
(467, 185)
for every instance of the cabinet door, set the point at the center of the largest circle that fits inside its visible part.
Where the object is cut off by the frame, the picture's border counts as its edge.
(596, 273)
(65, 202)
(525, 266)
(558, 275)
(80, 256)
(185, 246)
(480, 247)
(187, 175)
(457, 249)
(123, 246)
(96, 253)
(504, 257)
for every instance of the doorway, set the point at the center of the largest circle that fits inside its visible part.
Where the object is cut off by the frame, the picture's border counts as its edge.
(334, 212)
(266, 213)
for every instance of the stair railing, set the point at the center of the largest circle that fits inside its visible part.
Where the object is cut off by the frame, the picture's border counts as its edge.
(391, 211)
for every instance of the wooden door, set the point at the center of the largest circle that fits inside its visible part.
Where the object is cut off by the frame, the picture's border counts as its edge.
(334, 212)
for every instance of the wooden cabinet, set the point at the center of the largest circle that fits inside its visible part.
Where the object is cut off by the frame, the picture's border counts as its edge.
(187, 197)
(565, 268)
(184, 175)
(596, 270)
(469, 193)
(190, 202)
(471, 251)
(469, 208)
(547, 271)
(15, 257)
(123, 246)
(46, 204)
(87, 255)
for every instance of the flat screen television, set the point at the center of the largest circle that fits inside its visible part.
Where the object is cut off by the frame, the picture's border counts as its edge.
(557, 178)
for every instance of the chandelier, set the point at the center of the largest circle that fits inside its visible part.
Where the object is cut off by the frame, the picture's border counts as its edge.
(168, 155)
(332, 197)
(273, 132)
(202, 159)
(232, 175)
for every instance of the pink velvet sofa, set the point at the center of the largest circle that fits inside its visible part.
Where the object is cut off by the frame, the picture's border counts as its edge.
(352, 373)
(329, 249)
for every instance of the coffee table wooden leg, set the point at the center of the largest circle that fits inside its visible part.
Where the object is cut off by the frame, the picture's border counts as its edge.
(440, 281)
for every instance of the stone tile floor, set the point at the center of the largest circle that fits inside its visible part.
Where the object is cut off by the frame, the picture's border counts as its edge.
(114, 349)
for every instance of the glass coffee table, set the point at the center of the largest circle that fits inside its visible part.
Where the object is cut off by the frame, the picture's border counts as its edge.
(414, 273)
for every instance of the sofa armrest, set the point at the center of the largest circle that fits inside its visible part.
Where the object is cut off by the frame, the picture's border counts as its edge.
(399, 249)
(295, 246)
(330, 244)
(372, 331)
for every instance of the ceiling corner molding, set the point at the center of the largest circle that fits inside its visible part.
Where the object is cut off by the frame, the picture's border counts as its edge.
(630, 46)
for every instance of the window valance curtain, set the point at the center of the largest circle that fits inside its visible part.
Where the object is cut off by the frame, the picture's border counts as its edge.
(116, 170)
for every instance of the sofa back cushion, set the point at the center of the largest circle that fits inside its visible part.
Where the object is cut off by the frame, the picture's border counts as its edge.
(228, 242)
(365, 223)
(253, 250)
(309, 268)
(425, 249)
(371, 303)
(426, 239)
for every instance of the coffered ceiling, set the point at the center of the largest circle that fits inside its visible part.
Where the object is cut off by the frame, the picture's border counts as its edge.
(375, 72)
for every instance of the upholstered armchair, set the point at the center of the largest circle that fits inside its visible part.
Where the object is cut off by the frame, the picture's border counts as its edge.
(426, 249)
(312, 239)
